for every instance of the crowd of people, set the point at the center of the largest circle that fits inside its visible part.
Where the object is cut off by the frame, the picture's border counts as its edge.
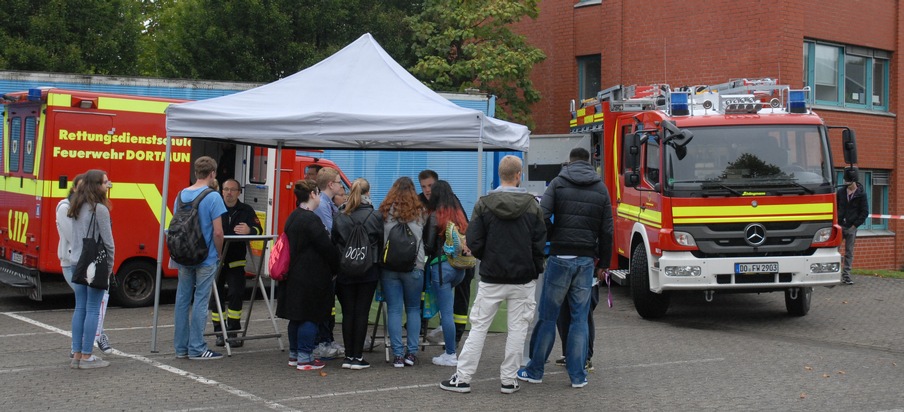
(507, 232)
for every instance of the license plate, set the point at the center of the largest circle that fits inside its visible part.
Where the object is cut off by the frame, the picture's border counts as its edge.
(17, 258)
(753, 268)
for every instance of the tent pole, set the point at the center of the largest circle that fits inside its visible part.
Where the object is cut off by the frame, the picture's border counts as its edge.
(159, 273)
(479, 162)
(276, 190)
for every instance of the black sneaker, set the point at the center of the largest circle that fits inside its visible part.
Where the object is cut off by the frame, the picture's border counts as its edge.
(220, 341)
(847, 281)
(359, 364)
(560, 361)
(455, 385)
(347, 363)
(510, 388)
(207, 355)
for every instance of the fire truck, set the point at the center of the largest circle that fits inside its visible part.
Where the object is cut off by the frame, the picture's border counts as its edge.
(717, 188)
(49, 135)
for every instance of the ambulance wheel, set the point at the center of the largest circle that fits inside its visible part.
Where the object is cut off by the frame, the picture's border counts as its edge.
(800, 305)
(135, 284)
(649, 305)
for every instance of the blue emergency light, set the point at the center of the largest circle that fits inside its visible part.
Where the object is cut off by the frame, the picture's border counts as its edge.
(678, 104)
(34, 95)
(797, 101)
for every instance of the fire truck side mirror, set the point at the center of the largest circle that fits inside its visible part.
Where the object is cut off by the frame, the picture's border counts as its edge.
(631, 158)
(849, 146)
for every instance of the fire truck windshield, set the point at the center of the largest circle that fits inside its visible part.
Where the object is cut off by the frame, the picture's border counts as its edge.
(731, 161)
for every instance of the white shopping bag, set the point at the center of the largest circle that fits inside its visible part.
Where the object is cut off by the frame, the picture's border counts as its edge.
(100, 317)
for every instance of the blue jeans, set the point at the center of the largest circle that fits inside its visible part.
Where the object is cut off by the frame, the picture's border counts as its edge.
(301, 340)
(84, 319)
(564, 279)
(445, 298)
(403, 289)
(194, 282)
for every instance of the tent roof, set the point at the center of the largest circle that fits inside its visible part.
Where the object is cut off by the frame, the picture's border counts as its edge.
(358, 98)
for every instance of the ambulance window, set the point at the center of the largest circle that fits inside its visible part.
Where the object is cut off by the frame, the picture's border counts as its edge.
(28, 159)
(15, 135)
(257, 168)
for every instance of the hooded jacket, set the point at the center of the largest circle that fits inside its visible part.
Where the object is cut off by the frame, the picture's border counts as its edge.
(853, 212)
(507, 234)
(578, 214)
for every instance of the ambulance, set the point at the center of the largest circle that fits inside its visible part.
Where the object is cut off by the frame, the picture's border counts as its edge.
(50, 135)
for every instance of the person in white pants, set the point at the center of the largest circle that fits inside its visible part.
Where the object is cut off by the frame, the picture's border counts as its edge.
(507, 233)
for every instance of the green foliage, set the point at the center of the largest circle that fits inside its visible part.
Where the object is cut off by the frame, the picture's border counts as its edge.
(85, 36)
(469, 44)
(265, 40)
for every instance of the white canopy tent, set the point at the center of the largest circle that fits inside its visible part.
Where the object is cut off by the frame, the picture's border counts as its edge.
(358, 98)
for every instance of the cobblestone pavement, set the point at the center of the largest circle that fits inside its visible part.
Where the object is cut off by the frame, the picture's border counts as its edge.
(739, 352)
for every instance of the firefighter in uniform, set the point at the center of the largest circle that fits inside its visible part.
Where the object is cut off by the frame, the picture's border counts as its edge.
(239, 219)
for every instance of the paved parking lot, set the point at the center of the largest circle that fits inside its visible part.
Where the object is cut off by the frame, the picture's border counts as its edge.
(739, 352)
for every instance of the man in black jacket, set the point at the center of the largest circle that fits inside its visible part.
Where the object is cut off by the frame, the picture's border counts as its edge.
(579, 238)
(852, 212)
(239, 219)
(507, 234)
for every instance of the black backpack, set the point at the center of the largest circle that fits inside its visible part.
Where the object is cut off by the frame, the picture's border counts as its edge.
(358, 255)
(184, 237)
(400, 251)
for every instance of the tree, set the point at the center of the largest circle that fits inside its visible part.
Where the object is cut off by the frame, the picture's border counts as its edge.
(468, 44)
(264, 40)
(85, 36)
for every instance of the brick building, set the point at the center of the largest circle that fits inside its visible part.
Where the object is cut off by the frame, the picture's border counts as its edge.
(845, 50)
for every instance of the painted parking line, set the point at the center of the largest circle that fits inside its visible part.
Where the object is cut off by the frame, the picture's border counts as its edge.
(183, 373)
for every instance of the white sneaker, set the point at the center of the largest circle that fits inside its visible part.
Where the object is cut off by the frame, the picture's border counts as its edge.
(435, 335)
(324, 351)
(446, 360)
(340, 350)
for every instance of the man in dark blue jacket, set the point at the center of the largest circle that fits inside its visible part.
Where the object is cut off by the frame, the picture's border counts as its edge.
(580, 238)
(852, 212)
(507, 234)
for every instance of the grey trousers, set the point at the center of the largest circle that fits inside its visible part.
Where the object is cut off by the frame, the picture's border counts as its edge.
(850, 236)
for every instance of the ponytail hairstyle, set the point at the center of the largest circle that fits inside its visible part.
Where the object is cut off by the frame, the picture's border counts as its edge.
(445, 207)
(360, 189)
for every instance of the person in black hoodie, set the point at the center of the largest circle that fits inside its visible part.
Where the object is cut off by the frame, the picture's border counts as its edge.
(507, 234)
(356, 292)
(579, 239)
(239, 219)
(852, 212)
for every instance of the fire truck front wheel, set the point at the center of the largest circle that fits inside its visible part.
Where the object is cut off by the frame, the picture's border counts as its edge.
(649, 305)
(798, 301)
(135, 284)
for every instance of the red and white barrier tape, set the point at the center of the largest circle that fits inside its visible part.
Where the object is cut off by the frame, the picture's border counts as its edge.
(887, 216)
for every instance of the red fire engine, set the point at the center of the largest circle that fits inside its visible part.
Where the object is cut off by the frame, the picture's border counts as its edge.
(726, 188)
(50, 135)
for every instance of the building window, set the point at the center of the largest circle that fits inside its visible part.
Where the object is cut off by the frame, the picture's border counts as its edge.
(588, 76)
(846, 76)
(875, 185)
